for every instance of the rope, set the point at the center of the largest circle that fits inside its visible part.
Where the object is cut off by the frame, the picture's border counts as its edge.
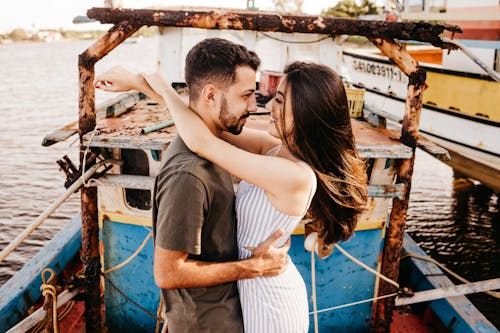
(495, 294)
(49, 291)
(146, 311)
(38, 318)
(310, 246)
(358, 302)
(369, 269)
(87, 149)
(159, 315)
(139, 249)
(92, 271)
(313, 287)
(297, 42)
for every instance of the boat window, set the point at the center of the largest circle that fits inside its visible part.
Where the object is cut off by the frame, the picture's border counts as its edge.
(135, 162)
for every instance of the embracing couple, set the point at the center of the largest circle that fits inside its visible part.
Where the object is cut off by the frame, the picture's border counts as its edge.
(221, 259)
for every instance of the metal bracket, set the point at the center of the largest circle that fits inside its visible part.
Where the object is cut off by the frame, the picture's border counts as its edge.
(73, 173)
(386, 191)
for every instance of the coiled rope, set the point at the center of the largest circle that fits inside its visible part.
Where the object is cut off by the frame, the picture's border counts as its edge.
(50, 293)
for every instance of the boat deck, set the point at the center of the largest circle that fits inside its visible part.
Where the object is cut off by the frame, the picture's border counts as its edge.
(125, 131)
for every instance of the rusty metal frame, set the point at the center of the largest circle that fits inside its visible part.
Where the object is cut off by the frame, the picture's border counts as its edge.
(382, 34)
(86, 123)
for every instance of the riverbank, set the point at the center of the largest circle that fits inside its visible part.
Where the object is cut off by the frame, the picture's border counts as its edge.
(22, 36)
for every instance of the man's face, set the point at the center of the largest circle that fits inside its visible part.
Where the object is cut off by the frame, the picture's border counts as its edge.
(238, 101)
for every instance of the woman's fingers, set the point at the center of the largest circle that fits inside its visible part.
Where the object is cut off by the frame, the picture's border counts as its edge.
(115, 79)
(103, 84)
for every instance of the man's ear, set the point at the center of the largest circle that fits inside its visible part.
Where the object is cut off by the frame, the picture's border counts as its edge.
(209, 94)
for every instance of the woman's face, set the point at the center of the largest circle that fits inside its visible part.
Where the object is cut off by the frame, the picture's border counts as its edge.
(281, 103)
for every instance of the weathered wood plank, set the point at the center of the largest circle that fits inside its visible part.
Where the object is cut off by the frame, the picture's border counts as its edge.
(128, 142)
(120, 103)
(434, 149)
(125, 132)
(127, 181)
(62, 134)
(386, 191)
(423, 142)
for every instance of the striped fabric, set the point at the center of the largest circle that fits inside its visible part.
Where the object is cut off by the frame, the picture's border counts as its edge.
(269, 304)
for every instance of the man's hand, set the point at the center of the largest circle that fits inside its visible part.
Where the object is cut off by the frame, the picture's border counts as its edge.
(118, 79)
(271, 260)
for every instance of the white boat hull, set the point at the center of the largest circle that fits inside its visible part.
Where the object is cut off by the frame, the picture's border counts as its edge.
(472, 142)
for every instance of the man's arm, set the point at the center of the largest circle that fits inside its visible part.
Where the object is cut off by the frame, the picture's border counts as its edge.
(173, 269)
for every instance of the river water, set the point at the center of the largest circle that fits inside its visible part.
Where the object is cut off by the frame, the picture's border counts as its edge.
(455, 222)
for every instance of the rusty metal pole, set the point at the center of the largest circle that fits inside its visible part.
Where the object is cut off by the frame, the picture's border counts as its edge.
(86, 123)
(393, 243)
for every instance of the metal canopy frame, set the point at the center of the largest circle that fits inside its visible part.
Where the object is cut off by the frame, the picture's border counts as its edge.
(384, 35)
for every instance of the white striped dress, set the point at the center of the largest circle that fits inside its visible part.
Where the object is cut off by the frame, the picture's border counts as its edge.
(269, 304)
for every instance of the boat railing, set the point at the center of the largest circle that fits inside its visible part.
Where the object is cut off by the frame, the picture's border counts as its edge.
(473, 57)
(6, 251)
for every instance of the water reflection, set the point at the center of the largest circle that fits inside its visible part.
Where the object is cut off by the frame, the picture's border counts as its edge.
(461, 230)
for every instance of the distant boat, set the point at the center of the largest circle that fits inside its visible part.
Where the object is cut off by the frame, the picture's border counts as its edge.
(461, 103)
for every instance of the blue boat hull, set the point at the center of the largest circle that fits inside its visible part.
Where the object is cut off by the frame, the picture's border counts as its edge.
(132, 298)
(21, 291)
(132, 293)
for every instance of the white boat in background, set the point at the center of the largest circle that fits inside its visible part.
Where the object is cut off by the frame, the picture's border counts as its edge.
(461, 103)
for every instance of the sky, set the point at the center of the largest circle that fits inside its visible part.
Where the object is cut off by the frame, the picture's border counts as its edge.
(55, 14)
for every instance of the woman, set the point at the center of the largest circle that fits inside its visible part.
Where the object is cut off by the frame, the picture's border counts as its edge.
(306, 164)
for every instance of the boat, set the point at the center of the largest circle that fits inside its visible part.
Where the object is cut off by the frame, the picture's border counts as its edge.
(459, 110)
(103, 258)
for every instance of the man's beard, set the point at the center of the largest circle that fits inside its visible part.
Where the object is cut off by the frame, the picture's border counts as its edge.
(230, 122)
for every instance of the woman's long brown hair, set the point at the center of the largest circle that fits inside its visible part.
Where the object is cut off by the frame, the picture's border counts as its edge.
(322, 137)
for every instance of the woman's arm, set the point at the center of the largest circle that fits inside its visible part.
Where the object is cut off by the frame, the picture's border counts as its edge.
(118, 79)
(275, 174)
(252, 140)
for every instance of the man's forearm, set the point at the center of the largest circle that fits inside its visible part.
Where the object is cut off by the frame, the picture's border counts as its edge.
(196, 274)
(173, 269)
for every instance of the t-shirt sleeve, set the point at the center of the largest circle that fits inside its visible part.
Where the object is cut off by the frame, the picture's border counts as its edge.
(182, 204)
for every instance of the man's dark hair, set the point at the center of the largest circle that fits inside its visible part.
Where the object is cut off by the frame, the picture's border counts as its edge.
(214, 60)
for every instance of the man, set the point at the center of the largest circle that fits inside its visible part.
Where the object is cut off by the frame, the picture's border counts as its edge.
(194, 223)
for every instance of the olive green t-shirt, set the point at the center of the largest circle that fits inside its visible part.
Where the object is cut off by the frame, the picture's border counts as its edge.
(193, 211)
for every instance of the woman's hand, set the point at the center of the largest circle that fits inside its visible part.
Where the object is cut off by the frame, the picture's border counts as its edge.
(117, 79)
